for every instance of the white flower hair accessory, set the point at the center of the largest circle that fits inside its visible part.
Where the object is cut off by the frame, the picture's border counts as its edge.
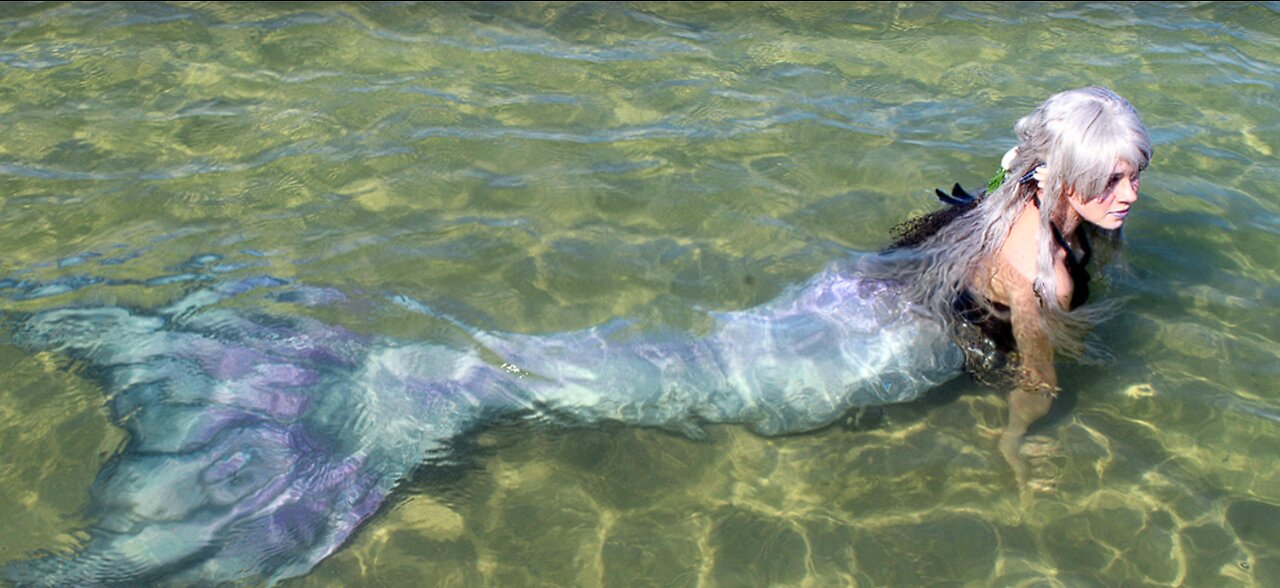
(1007, 160)
(1039, 173)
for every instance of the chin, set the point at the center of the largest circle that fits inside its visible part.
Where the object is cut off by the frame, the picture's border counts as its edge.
(1111, 223)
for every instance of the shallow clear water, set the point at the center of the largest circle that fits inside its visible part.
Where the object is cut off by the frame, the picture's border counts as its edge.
(541, 168)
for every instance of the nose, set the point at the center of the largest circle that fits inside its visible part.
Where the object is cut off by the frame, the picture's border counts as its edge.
(1127, 192)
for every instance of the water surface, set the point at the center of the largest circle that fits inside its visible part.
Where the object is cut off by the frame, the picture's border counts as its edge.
(546, 167)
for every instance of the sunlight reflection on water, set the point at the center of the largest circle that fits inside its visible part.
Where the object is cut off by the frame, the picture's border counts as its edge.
(549, 167)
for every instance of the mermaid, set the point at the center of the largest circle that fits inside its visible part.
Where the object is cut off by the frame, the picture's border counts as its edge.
(258, 444)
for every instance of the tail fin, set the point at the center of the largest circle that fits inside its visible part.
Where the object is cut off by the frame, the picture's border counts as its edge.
(226, 477)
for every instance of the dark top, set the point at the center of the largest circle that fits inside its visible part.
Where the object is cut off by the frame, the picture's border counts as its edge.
(986, 334)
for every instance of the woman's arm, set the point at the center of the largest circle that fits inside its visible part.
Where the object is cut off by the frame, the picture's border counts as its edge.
(1037, 380)
(1012, 282)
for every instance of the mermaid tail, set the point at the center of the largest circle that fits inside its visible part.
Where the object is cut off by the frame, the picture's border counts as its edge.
(258, 444)
(793, 365)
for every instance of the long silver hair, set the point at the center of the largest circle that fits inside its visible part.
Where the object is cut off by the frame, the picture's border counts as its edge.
(1078, 136)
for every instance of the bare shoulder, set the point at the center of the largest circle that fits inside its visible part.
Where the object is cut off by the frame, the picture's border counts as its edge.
(1011, 275)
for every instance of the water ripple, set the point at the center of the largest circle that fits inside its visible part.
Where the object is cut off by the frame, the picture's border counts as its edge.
(542, 167)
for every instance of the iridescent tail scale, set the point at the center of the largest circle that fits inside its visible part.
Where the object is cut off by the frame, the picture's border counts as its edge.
(258, 444)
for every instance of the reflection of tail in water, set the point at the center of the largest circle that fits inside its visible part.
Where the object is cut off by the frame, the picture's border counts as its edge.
(258, 444)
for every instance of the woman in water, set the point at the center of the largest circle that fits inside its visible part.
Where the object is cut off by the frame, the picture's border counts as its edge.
(1013, 261)
(257, 445)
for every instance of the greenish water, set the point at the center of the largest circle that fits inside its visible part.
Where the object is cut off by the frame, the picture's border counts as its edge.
(547, 167)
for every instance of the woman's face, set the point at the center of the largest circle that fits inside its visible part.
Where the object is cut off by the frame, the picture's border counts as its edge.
(1109, 209)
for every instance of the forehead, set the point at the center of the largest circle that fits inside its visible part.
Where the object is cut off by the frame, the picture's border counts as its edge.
(1123, 166)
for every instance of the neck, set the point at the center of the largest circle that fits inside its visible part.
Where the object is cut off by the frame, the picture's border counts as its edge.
(1065, 222)
(1067, 219)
